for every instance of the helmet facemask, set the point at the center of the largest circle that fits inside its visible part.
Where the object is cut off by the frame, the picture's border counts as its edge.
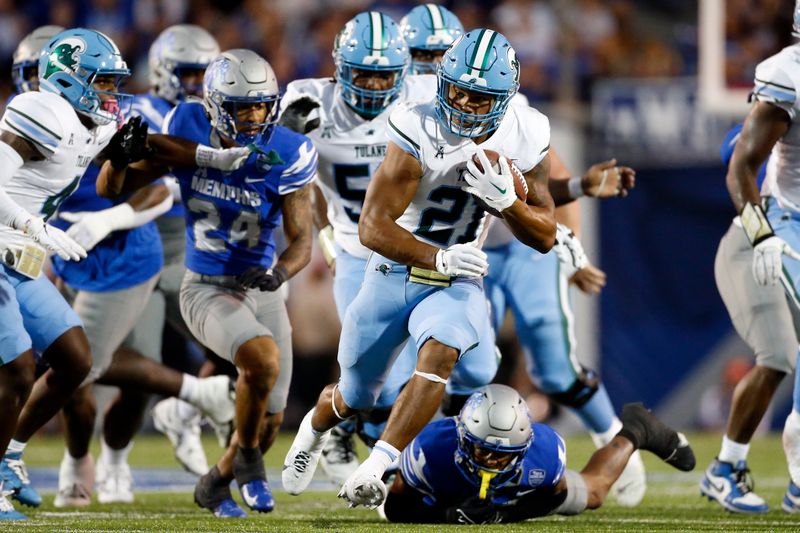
(369, 103)
(464, 123)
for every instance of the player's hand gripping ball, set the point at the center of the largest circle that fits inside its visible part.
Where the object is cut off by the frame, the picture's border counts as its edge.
(492, 188)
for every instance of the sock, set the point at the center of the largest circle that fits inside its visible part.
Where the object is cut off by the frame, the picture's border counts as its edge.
(733, 452)
(603, 438)
(248, 465)
(791, 445)
(16, 446)
(74, 462)
(114, 457)
(189, 388)
(381, 457)
(186, 411)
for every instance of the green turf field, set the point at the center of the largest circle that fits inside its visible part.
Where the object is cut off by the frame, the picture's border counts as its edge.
(672, 502)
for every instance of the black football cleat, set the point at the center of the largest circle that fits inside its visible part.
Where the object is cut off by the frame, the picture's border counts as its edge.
(649, 433)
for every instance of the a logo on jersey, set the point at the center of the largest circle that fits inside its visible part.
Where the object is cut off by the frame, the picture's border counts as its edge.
(384, 268)
(327, 132)
(439, 152)
(65, 57)
(265, 161)
(536, 477)
(369, 150)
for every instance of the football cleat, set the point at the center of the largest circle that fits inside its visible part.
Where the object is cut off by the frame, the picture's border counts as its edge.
(339, 460)
(731, 486)
(791, 500)
(365, 489)
(631, 485)
(215, 398)
(224, 432)
(14, 476)
(303, 456)
(75, 482)
(257, 495)
(656, 437)
(183, 434)
(7, 511)
(216, 496)
(114, 483)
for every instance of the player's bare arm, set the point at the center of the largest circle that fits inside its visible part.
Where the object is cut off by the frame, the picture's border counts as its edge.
(319, 207)
(390, 192)
(113, 182)
(534, 222)
(765, 124)
(296, 210)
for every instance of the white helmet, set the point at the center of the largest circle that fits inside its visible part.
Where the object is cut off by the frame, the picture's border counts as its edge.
(26, 57)
(495, 419)
(183, 46)
(240, 77)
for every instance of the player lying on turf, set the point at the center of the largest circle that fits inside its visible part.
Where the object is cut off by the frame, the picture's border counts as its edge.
(491, 464)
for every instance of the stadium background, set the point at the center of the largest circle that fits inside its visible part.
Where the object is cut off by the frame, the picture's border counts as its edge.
(617, 78)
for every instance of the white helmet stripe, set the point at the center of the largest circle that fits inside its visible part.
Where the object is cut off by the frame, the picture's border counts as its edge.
(482, 48)
(376, 21)
(437, 20)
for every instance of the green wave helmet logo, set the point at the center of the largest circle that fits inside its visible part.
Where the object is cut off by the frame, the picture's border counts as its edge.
(65, 57)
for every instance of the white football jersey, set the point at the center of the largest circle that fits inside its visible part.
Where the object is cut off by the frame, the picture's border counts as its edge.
(777, 81)
(350, 149)
(441, 213)
(51, 124)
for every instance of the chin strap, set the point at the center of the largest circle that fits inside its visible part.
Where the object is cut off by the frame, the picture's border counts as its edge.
(486, 478)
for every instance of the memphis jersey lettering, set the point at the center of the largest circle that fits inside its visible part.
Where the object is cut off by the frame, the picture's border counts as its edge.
(153, 109)
(430, 465)
(230, 216)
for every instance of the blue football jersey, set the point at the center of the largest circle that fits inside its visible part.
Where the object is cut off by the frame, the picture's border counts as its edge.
(122, 260)
(728, 145)
(430, 465)
(230, 216)
(153, 110)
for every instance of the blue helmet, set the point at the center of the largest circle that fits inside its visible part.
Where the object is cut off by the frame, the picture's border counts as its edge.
(480, 61)
(69, 65)
(370, 41)
(796, 20)
(429, 27)
(496, 420)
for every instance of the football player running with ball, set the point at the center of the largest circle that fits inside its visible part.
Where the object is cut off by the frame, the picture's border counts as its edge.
(229, 297)
(422, 218)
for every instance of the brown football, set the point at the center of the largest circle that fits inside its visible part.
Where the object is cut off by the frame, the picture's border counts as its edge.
(520, 185)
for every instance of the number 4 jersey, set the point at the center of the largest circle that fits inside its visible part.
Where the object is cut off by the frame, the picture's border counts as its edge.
(51, 125)
(441, 213)
(230, 216)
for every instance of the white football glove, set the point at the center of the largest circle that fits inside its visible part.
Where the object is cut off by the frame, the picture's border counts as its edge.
(90, 227)
(569, 251)
(53, 239)
(767, 260)
(224, 159)
(495, 189)
(461, 260)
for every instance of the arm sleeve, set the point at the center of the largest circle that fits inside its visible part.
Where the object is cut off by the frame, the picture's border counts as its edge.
(302, 170)
(30, 118)
(402, 132)
(773, 85)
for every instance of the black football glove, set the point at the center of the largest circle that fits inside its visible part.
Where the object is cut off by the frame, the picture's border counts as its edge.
(129, 144)
(475, 511)
(296, 115)
(264, 279)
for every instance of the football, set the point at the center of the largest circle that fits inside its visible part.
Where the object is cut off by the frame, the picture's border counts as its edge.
(520, 185)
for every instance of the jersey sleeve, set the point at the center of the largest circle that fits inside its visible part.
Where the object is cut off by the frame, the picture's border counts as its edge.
(30, 117)
(536, 137)
(143, 107)
(301, 170)
(773, 84)
(402, 129)
(416, 469)
(547, 459)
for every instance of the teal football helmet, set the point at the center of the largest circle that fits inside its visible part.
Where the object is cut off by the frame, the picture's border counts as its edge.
(429, 28)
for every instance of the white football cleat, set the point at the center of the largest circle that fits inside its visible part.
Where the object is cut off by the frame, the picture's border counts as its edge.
(184, 434)
(791, 444)
(75, 482)
(631, 485)
(303, 456)
(215, 398)
(114, 483)
(339, 459)
(364, 488)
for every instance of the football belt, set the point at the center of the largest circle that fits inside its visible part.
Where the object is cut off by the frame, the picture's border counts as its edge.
(28, 260)
(428, 277)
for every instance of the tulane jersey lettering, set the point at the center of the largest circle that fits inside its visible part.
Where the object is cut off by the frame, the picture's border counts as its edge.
(230, 217)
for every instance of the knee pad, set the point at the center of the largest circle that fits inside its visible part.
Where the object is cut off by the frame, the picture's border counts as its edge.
(581, 390)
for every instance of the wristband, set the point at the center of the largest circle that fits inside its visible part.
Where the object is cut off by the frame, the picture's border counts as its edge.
(575, 187)
(204, 155)
(327, 245)
(755, 223)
